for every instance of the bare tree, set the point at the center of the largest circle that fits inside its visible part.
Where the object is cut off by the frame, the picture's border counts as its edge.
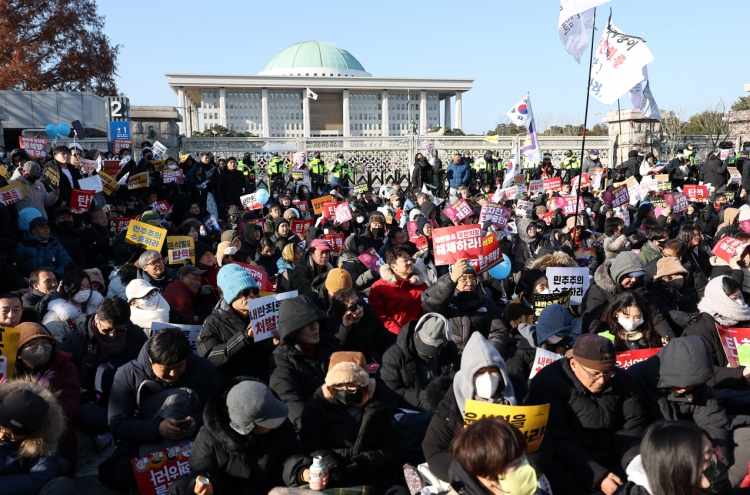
(673, 125)
(712, 122)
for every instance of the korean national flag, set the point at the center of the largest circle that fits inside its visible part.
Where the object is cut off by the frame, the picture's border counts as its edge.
(310, 94)
(520, 114)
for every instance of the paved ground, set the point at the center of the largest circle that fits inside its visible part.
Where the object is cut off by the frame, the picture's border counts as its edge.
(86, 478)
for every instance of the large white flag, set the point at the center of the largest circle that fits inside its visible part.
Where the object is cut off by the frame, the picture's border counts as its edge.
(310, 94)
(642, 98)
(576, 18)
(513, 168)
(618, 65)
(520, 114)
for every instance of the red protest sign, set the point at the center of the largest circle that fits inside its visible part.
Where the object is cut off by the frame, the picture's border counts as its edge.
(156, 472)
(80, 201)
(492, 254)
(300, 227)
(111, 167)
(454, 243)
(459, 210)
(87, 165)
(336, 241)
(172, 177)
(617, 197)
(728, 247)
(552, 184)
(495, 213)
(35, 147)
(420, 241)
(626, 359)
(259, 274)
(411, 228)
(696, 193)
(250, 202)
(119, 144)
(535, 187)
(731, 339)
(585, 181)
(300, 205)
(329, 209)
(343, 213)
(547, 217)
(371, 259)
(162, 207)
(569, 208)
(677, 201)
(122, 223)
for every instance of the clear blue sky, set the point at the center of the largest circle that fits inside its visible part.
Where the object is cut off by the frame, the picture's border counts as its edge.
(508, 47)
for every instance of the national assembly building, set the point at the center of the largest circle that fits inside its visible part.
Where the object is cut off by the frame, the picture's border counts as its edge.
(350, 101)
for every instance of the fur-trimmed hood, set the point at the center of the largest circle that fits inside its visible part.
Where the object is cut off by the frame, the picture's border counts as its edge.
(65, 310)
(521, 225)
(44, 441)
(386, 273)
(348, 373)
(556, 259)
(603, 279)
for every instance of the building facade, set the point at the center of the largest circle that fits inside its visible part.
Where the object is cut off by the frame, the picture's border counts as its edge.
(350, 101)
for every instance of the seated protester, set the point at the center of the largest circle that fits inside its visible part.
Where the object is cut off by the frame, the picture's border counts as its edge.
(657, 237)
(695, 259)
(676, 457)
(40, 249)
(283, 234)
(723, 305)
(482, 377)
(311, 264)
(298, 365)
(269, 225)
(252, 234)
(349, 422)
(246, 445)
(182, 294)
(629, 323)
(31, 425)
(521, 309)
(362, 277)
(167, 383)
(730, 221)
(153, 269)
(71, 304)
(97, 280)
(356, 325)
(96, 240)
(424, 351)
(290, 256)
(268, 256)
(674, 389)
(616, 241)
(38, 357)
(225, 253)
(457, 297)
(625, 272)
(61, 222)
(489, 456)
(376, 230)
(146, 305)
(119, 280)
(396, 297)
(671, 296)
(397, 237)
(596, 418)
(528, 242)
(226, 338)
(106, 340)
(11, 309)
(231, 236)
(205, 260)
(554, 332)
(42, 282)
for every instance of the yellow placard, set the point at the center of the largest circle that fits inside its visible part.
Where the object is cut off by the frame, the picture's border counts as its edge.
(531, 420)
(12, 193)
(4, 172)
(318, 203)
(361, 189)
(53, 175)
(8, 350)
(109, 184)
(180, 249)
(138, 181)
(662, 177)
(146, 235)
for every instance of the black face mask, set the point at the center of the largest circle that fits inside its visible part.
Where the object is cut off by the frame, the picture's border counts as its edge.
(348, 397)
(67, 225)
(31, 179)
(426, 359)
(378, 232)
(677, 283)
(718, 475)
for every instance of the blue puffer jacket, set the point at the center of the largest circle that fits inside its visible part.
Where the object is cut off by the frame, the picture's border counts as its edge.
(124, 421)
(51, 255)
(458, 174)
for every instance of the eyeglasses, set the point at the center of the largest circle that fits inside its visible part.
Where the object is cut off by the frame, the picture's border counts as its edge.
(355, 305)
(160, 261)
(599, 374)
(469, 280)
(250, 290)
(113, 331)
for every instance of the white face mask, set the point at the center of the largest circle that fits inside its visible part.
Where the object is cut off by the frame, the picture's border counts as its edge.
(486, 385)
(150, 302)
(360, 219)
(545, 291)
(82, 296)
(679, 156)
(629, 325)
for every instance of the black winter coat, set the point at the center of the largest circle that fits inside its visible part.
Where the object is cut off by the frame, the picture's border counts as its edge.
(368, 335)
(590, 434)
(223, 340)
(399, 371)
(468, 312)
(244, 464)
(230, 185)
(519, 365)
(65, 188)
(373, 442)
(71, 241)
(724, 377)
(96, 248)
(716, 173)
(675, 306)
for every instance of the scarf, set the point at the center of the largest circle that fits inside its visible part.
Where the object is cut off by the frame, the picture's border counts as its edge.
(144, 317)
(106, 349)
(723, 309)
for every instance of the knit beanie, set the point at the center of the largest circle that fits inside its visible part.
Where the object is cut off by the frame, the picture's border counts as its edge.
(421, 222)
(148, 216)
(31, 331)
(233, 279)
(251, 404)
(540, 211)
(554, 319)
(431, 332)
(414, 213)
(337, 279)
(278, 221)
(718, 304)
(669, 266)
(200, 250)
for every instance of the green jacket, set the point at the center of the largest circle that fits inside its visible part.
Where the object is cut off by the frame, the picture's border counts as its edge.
(341, 169)
(252, 168)
(481, 164)
(318, 166)
(277, 166)
(571, 162)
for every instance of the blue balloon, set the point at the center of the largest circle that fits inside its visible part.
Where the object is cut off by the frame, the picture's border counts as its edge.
(63, 129)
(261, 196)
(502, 270)
(51, 130)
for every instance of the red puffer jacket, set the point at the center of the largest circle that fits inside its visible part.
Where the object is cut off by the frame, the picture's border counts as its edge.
(397, 302)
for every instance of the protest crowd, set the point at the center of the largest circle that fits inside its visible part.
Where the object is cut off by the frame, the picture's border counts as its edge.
(220, 327)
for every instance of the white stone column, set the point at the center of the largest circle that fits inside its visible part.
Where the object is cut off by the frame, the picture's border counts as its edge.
(422, 113)
(195, 125)
(447, 112)
(264, 113)
(386, 115)
(347, 133)
(181, 104)
(306, 114)
(188, 117)
(223, 108)
(459, 105)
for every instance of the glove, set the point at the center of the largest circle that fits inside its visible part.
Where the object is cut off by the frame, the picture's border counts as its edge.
(206, 290)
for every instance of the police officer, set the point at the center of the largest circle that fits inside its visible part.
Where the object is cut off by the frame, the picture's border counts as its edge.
(570, 165)
(319, 172)
(342, 172)
(484, 168)
(249, 169)
(276, 173)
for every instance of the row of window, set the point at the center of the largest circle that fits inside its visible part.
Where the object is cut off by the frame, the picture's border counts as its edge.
(297, 96)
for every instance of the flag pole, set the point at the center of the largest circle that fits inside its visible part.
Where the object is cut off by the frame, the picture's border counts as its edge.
(619, 119)
(583, 141)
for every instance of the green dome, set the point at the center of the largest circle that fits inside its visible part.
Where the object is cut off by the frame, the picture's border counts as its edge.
(311, 55)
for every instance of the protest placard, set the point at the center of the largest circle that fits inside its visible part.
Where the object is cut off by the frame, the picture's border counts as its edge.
(258, 273)
(616, 197)
(531, 420)
(536, 187)
(568, 279)
(498, 215)
(298, 175)
(146, 235)
(298, 159)
(300, 227)
(371, 260)
(93, 183)
(264, 314)
(361, 188)
(111, 167)
(454, 243)
(542, 358)
(191, 332)
(318, 203)
(336, 241)
(541, 301)
(584, 178)
(420, 241)
(596, 180)
(138, 181)
(731, 339)
(161, 207)
(524, 208)
(172, 177)
(109, 184)
(585, 256)
(158, 150)
(342, 213)
(519, 179)
(8, 351)
(180, 249)
(250, 201)
(677, 201)
(329, 209)
(5, 174)
(88, 166)
(696, 193)
(155, 472)
(492, 254)
(552, 184)
(626, 359)
(728, 247)
(12, 193)
(35, 147)
(80, 201)
(300, 205)
(735, 177)
(570, 208)
(119, 144)
(122, 223)
(459, 210)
